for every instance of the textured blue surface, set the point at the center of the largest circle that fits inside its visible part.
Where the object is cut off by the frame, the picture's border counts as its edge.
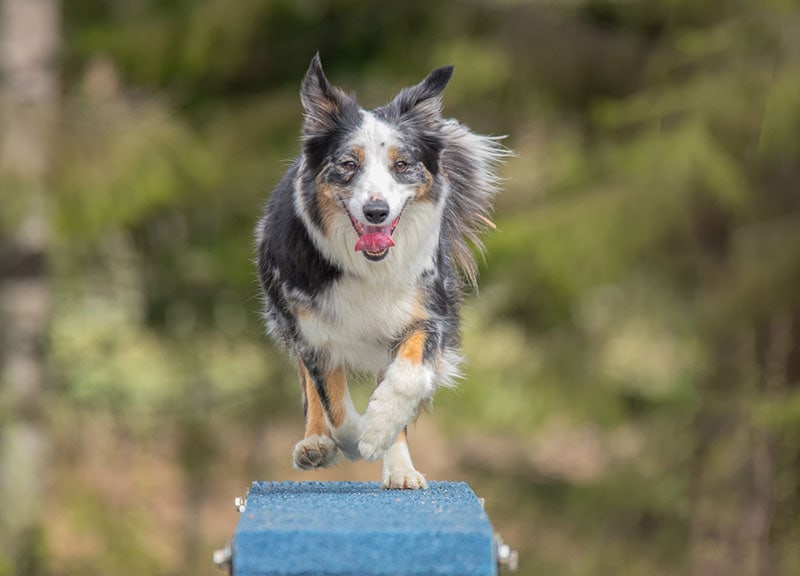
(359, 529)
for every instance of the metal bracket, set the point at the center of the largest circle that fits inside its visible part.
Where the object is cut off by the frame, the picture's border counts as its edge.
(507, 559)
(223, 557)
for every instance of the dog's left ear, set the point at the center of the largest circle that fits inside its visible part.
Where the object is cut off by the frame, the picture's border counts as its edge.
(424, 100)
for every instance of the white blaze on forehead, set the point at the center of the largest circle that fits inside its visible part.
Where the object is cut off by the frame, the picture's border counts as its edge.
(376, 138)
(377, 135)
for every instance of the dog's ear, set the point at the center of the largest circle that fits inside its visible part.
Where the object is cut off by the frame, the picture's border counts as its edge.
(325, 105)
(424, 100)
(419, 108)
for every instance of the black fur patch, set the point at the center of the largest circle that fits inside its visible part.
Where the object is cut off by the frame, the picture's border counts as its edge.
(320, 146)
(288, 259)
(308, 188)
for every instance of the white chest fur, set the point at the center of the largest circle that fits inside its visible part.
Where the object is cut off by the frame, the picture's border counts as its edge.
(356, 321)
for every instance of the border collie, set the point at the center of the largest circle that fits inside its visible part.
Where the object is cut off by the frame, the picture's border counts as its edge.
(363, 251)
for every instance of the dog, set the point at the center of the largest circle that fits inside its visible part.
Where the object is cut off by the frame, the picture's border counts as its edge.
(363, 252)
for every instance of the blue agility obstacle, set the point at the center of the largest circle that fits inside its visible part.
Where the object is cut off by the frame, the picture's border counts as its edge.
(360, 529)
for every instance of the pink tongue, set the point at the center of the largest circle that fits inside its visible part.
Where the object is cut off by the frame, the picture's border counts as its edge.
(374, 242)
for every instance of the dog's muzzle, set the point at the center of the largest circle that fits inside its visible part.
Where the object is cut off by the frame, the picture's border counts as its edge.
(375, 239)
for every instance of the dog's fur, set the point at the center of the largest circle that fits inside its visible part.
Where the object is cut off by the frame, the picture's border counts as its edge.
(410, 190)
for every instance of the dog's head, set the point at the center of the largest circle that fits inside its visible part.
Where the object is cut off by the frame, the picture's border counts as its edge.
(364, 168)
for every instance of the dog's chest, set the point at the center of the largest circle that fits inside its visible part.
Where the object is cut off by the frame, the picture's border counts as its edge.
(355, 322)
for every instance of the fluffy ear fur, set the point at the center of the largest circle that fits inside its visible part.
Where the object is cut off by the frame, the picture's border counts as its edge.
(424, 100)
(325, 105)
(419, 110)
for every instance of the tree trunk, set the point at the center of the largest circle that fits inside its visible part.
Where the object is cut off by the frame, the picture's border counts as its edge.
(720, 467)
(736, 463)
(29, 96)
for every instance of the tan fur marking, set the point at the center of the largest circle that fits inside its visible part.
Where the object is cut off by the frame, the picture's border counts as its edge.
(413, 347)
(394, 155)
(328, 205)
(420, 312)
(331, 105)
(486, 221)
(300, 311)
(328, 195)
(358, 152)
(336, 385)
(423, 189)
(315, 414)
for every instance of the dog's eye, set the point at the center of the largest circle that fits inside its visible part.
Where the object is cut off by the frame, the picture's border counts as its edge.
(349, 165)
(400, 166)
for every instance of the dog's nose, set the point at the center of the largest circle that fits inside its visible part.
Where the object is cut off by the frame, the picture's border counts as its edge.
(376, 211)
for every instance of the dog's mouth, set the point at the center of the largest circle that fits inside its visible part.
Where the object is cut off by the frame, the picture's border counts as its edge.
(373, 241)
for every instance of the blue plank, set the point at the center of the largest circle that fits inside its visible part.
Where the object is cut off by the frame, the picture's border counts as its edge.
(359, 529)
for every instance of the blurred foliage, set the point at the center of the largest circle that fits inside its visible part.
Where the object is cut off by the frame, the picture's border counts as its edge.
(636, 339)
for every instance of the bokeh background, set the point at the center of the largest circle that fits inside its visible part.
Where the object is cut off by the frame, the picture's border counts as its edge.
(631, 403)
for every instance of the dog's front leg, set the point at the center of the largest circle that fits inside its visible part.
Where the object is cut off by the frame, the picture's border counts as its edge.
(409, 381)
(398, 470)
(331, 420)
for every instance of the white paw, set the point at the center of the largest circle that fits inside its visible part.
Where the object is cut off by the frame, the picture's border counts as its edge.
(373, 444)
(404, 479)
(376, 436)
(386, 415)
(314, 452)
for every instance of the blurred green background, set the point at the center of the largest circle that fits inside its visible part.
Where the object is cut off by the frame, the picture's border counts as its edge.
(632, 398)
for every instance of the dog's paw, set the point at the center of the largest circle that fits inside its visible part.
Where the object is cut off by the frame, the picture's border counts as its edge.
(385, 417)
(375, 439)
(371, 448)
(404, 479)
(314, 452)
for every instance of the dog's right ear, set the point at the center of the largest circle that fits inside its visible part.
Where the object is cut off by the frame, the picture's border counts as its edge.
(325, 105)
